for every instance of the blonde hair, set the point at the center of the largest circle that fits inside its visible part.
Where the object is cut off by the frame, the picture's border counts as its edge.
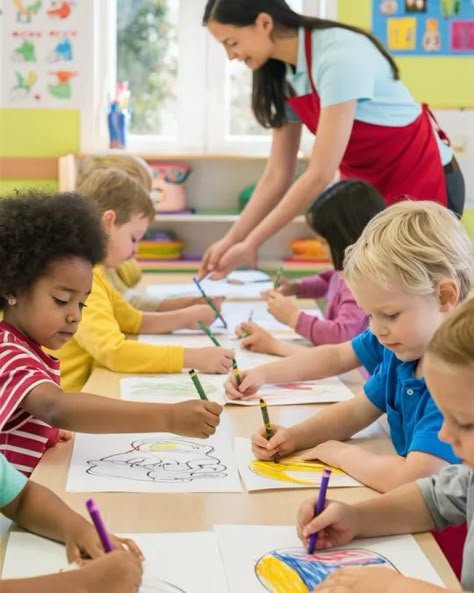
(114, 158)
(421, 243)
(115, 190)
(453, 341)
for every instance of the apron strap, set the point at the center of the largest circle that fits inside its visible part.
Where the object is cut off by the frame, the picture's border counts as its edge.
(441, 133)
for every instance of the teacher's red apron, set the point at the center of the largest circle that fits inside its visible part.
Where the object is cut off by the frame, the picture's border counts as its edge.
(401, 161)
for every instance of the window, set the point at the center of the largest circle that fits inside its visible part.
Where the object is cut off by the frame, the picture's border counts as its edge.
(185, 95)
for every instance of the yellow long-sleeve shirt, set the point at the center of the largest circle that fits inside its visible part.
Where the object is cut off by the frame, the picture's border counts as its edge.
(100, 340)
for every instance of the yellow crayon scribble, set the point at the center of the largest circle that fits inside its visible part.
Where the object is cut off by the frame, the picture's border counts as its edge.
(278, 577)
(162, 446)
(280, 471)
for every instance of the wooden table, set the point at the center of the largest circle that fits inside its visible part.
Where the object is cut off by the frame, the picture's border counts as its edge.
(132, 512)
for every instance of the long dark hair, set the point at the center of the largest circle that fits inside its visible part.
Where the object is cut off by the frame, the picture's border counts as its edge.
(269, 87)
(341, 212)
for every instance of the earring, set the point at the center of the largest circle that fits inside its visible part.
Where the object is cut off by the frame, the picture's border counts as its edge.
(11, 301)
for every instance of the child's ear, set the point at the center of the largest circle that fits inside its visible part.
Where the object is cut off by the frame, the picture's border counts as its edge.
(448, 294)
(108, 219)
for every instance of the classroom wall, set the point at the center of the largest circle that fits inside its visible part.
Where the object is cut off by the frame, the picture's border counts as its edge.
(431, 79)
(42, 134)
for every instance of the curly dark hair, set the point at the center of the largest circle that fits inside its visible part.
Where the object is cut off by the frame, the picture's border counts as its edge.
(38, 228)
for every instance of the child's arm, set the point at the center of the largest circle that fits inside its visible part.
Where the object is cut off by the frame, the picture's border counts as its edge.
(402, 510)
(167, 321)
(339, 421)
(313, 363)
(171, 304)
(84, 412)
(117, 572)
(40, 511)
(349, 321)
(381, 472)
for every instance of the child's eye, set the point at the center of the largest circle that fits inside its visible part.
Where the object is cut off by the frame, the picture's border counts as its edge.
(82, 306)
(391, 316)
(60, 302)
(466, 427)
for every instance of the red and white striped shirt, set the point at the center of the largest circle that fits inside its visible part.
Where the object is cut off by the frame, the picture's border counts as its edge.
(23, 366)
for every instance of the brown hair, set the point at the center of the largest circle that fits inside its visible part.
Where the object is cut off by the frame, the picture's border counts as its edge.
(125, 161)
(115, 190)
(453, 341)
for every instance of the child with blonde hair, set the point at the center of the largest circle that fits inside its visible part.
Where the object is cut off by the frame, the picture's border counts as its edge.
(100, 340)
(432, 502)
(49, 244)
(126, 277)
(37, 509)
(409, 269)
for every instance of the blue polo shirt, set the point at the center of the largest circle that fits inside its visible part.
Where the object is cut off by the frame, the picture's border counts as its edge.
(412, 414)
(12, 482)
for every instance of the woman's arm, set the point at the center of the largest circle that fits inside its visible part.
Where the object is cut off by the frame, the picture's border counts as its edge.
(275, 181)
(332, 137)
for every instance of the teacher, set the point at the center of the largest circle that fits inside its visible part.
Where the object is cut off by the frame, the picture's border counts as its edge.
(341, 83)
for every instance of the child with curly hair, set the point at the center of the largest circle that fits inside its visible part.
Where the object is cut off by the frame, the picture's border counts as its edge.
(49, 244)
(37, 509)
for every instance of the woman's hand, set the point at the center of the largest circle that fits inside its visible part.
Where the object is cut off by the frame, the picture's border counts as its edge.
(212, 256)
(229, 258)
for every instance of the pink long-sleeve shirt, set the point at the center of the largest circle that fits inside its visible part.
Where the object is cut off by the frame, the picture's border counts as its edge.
(344, 319)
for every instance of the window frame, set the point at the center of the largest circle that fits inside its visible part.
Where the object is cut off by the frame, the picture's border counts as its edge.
(202, 120)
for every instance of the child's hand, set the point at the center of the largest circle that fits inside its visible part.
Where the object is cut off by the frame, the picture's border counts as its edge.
(330, 453)
(195, 418)
(281, 443)
(117, 572)
(258, 339)
(286, 288)
(82, 542)
(282, 309)
(212, 359)
(251, 382)
(64, 436)
(336, 525)
(366, 579)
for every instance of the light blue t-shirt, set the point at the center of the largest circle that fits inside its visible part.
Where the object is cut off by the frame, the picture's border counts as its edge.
(347, 66)
(412, 415)
(12, 482)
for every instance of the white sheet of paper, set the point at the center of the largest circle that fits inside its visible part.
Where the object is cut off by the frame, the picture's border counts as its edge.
(170, 389)
(256, 474)
(248, 552)
(248, 276)
(159, 462)
(323, 391)
(29, 555)
(212, 288)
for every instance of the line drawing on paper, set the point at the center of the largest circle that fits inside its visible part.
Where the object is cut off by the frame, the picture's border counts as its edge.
(161, 460)
(292, 470)
(293, 570)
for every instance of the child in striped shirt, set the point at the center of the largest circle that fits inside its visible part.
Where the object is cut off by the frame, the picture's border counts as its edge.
(48, 247)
